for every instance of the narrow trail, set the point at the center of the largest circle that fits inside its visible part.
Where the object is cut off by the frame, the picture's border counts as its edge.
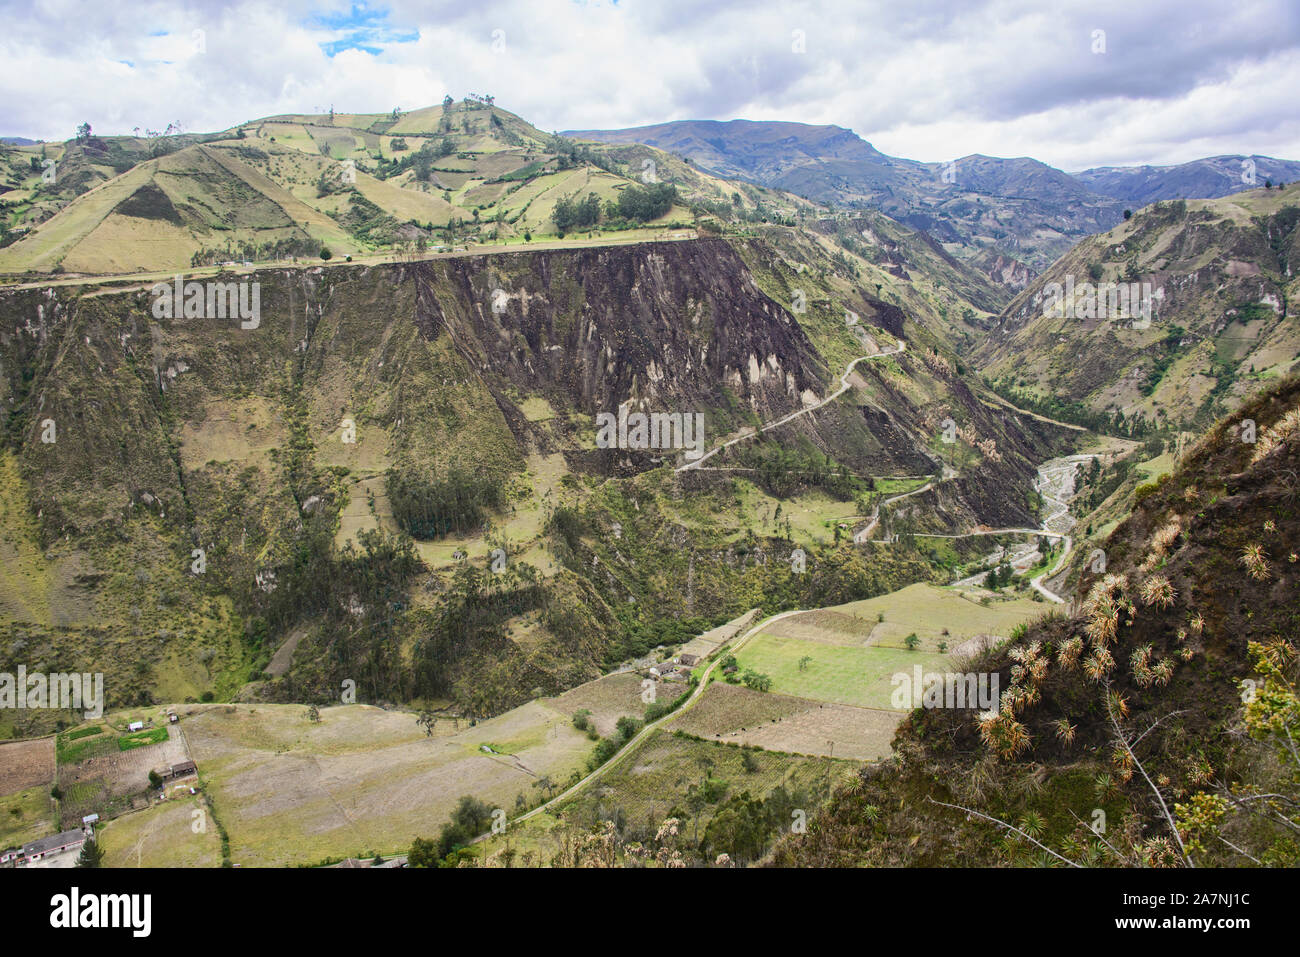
(1050, 475)
(1055, 469)
(639, 738)
(864, 533)
(994, 397)
(844, 387)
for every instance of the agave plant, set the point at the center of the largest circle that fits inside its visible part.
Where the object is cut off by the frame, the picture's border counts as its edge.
(1067, 656)
(1279, 432)
(1065, 731)
(1159, 591)
(1256, 564)
(1117, 703)
(1099, 664)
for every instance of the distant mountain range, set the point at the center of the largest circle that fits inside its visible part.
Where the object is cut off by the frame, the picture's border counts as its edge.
(976, 205)
(1207, 178)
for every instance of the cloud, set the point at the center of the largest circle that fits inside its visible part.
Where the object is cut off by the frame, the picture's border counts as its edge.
(1165, 80)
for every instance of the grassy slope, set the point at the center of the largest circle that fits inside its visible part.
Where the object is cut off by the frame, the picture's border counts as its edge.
(1221, 502)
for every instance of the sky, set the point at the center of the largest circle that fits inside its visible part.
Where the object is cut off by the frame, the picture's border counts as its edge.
(1076, 85)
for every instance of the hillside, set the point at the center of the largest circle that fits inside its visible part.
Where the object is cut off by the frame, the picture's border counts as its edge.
(1167, 700)
(1220, 282)
(286, 186)
(390, 428)
(1021, 208)
(1206, 178)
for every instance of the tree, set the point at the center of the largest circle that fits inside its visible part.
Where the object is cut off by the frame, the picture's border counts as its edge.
(804, 662)
(545, 785)
(695, 803)
(83, 132)
(313, 714)
(911, 641)
(423, 853)
(644, 203)
(91, 855)
(627, 727)
(428, 721)
(1128, 214)
(325, 253)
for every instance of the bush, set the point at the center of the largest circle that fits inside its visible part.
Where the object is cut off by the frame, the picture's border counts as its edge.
(325, 253)
(644, 203)
(1143, 492)
(627, 728)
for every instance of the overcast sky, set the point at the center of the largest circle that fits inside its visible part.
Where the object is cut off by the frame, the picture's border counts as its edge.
(1073, 84)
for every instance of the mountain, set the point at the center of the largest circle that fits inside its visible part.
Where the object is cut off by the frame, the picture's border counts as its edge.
(1221, 282)
(770, 152)
(285, 186)
(384, 428)
(1020, 207)
(164, 212)
(1206, 178)
(1128, 733)
(989, 210)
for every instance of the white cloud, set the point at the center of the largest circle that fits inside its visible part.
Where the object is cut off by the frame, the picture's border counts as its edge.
(930, 79)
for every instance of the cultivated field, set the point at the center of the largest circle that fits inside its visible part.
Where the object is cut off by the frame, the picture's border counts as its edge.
(101, 780)
(168, 834)
(926, 610)
(776, 722)
(608, 699)
(25, 816)
(724, 710)
(362, 779)
(842, 674)
(26, 764)
(704, 645)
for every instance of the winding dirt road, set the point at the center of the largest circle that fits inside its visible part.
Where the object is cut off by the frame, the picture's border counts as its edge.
(844, 387)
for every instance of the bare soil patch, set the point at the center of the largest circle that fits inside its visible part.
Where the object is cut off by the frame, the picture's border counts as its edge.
(26, 764)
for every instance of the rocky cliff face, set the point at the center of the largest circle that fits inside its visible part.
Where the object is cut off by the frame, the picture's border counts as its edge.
(664, 326)
(180, 489)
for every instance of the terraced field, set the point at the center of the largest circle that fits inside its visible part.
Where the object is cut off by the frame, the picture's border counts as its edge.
(363, 780)
(736, 715)
(833, 673)
(178, 832)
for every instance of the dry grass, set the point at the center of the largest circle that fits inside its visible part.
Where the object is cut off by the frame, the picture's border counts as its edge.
(363, 780)
(178, 832)
(26, 764)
